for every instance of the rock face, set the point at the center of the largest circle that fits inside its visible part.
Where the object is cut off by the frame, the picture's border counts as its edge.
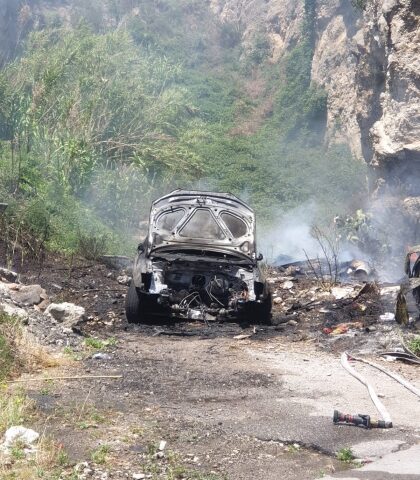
(279, 19)
(395, 135)
(369, 63)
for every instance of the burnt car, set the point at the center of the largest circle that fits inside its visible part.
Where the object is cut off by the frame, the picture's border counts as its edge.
(199, 262)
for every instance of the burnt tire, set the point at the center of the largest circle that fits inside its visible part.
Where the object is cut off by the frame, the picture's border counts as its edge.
(265, 311)
(133, 310)
(259, 313)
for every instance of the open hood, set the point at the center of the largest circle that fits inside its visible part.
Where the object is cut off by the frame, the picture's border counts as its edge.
(192, 220)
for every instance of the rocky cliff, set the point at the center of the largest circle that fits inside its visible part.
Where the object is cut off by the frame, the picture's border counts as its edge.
(367, 60)
(366, 57)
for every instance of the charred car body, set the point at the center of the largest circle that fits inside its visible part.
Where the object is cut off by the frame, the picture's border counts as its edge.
(198, 261)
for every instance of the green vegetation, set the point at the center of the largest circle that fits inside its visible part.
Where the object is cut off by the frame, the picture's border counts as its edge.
(15, 409)
(50, 459)
(111, 106)
(98, 344)
(8, 358)
(414, 345)
(345, 455)
(99, 455)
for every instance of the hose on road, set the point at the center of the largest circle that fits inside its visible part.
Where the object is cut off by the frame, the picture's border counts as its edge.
(378, 404)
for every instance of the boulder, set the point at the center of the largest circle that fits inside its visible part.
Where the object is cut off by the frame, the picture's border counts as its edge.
(29, 295)
(26, 436)
(68, 314)
(14, 311)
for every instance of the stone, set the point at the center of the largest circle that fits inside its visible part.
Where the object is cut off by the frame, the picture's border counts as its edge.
(25, 435)
(387, 317)
(68, 314)
(138, 476)
(8, 275)
(14, 311)
(80, 466)
(5, 290)
(162, 445)
(28, 295)
(124, 279)
(101, 356)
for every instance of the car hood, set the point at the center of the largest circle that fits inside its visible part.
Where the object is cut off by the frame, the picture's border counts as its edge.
(216, 222)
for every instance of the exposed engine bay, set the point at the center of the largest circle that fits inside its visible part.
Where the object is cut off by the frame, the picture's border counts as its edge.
(194, 290)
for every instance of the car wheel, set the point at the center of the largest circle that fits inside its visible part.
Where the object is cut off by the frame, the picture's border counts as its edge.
(259, 313)
(132, 305)
(265, 310)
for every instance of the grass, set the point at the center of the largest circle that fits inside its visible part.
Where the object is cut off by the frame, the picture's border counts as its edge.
(168, 464)
(15, 409)
(92, 419)
(17, 451)
(345, 455)
(19, 351)
(9, 332)
(293, 448)
(98, 344)
(414, 345)
(100, 454)
(72, 354)
(47, 462)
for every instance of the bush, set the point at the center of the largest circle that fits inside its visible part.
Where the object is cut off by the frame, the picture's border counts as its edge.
(92, 245)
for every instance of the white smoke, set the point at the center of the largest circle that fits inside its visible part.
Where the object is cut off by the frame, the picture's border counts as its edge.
(291, 236)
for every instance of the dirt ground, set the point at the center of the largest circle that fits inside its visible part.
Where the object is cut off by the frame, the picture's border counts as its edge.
(259, 406)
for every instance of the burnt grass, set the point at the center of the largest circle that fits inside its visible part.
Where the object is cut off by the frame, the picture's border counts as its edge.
(181, 379)
(95, 287)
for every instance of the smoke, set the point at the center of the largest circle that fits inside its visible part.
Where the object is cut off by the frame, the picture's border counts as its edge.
(290, 237)
(394, 227)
